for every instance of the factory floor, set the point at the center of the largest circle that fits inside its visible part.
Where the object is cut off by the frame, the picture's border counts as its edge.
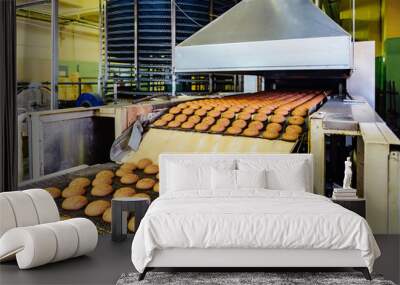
(111, 259)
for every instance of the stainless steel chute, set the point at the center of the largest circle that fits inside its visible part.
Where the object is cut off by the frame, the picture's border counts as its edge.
(260, 35)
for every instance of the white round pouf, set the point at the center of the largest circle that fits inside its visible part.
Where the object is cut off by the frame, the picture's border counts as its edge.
(46, 208)
(87, 235)
(23, 208)
(7, 218)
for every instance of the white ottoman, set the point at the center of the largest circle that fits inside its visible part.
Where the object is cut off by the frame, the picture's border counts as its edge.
(31, 232)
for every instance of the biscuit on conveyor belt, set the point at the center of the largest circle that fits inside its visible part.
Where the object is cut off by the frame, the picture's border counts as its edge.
(80, 181)
(145, 184)
(151, 169)
(129, 166)
(131, 224)
(214, 113)
(156, 187)
(201, 127)
(174, 124)
(73, 191)
(290, 137)
(158, 176)
(208, 120)
(105, 173)
(124, 192)
(121, 172)
(223, 122)
(175, 110)
(187, 125)
(188, 111)
(296, 120)
(107, 217)
(102, 190)
(277, 119)
(299, 112)
(294, 129)
(141, 195)
(217, 128)
(74, 203)
(97, 208)
(233, 130)
(283, 112)
(181, 118)
(239, 124)
(249, 132)
(256, 125)
(143, 163)
(220, 108)
(270, 134)
(167, 117)
(228, 115)
(274, 127)
(244, 116)
(194, 119)
(160, 123)
(260, 117)
(102, 180)
(200, 112)
(129, 178)
(54, 192)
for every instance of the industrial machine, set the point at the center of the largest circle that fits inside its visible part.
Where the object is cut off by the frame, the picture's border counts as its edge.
(293, 46)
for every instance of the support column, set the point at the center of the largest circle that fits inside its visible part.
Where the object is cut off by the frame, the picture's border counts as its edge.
(54, 54)
(173, 44)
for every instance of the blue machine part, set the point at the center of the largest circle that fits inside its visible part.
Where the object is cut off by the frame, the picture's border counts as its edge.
(89, 100)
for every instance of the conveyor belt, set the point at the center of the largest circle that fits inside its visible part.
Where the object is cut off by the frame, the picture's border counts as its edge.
(158, 141)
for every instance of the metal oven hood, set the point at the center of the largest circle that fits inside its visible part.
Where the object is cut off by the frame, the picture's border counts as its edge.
(260, 35)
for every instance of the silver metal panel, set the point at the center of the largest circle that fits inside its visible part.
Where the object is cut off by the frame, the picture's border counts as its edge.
(258, 35)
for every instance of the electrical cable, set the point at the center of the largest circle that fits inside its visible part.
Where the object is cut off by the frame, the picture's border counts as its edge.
(186, 15)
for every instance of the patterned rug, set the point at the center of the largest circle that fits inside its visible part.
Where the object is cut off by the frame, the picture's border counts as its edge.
(243, 278)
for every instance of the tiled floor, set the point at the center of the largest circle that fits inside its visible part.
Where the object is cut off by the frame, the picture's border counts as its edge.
(110, 260)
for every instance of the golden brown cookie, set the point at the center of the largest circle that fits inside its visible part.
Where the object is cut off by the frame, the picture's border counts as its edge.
(121, 172)
(282, 112)
(160, 123)
(233, 130)
(201, 127)
(80, 181)
(142, 195)
(270, 134)
(107, 216)
(260, 117)
(105, 173)
(74, 203)
(217, 128)
(102, 180)
(234, 109)
(244, 116)
(214, 113)
(73, 191)
(223, 122)
(174, 124)
(274, 127)
(294, 129)
(228, 115)
(208, 120)
(188, 111)
(290, 137)
(187, 125)
(239, 124)
(151, 169)
(129, 178)
(124, 192)
(200, 112)
(220, 108)
(167, 117)
(256, 125)
(97, 208)
(277, 119)
(194, 119)
(143, 163)
(250, 132)
(132, 224)
(101, 190)
(265, 110)
(158, 176)
(181, 118)
(296, 120)
(129, 166)
(299, 112)
(156, 187)
(175, 110)
(54, 192)
(145, 184)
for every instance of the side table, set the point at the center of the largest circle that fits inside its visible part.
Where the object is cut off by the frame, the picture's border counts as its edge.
(120, 208)
(357, 205)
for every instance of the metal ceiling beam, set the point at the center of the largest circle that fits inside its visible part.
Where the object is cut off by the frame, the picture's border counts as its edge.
(33, 3)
